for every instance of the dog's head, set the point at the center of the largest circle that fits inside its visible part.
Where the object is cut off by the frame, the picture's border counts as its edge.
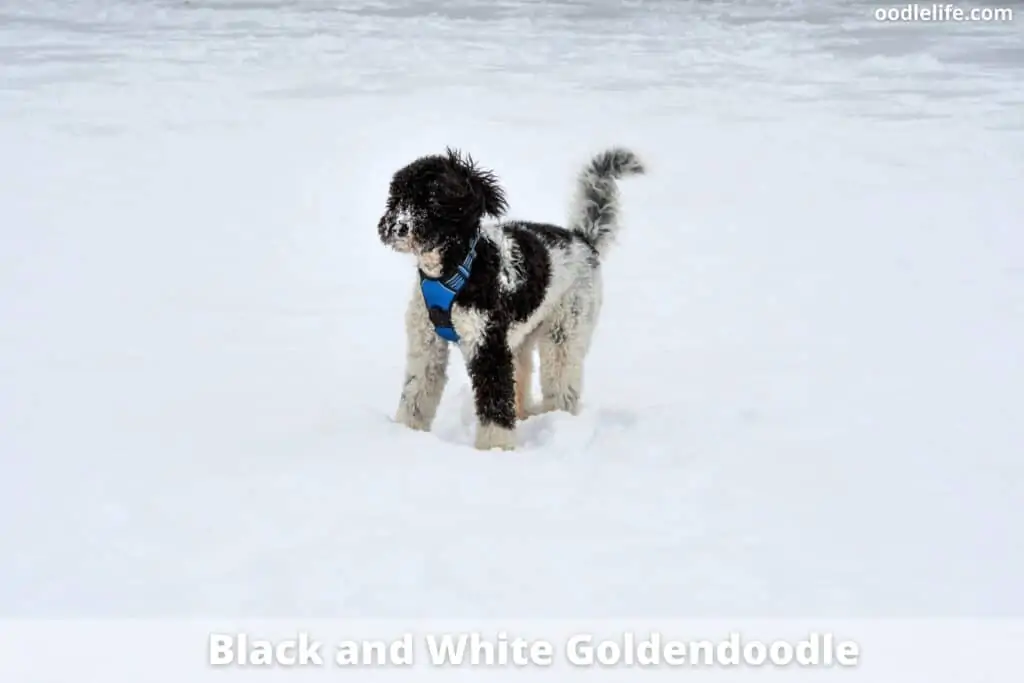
(439, 200)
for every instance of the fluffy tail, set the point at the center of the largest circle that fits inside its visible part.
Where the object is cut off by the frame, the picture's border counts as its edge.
(595, 212)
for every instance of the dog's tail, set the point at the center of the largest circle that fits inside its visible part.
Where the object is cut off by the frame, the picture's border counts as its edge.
(595, 212)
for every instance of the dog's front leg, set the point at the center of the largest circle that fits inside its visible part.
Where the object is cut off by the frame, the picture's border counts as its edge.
(492, 374)
(426, 368)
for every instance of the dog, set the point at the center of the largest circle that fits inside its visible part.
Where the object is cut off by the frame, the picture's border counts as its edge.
(499, 289)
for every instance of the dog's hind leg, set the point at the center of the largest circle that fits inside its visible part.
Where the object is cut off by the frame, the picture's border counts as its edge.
(563, 349)
(492, 373)
(524, 378)
(524, 372)
(561, 372)
(426, 368)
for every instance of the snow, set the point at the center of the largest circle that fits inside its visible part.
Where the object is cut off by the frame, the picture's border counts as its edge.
(804, 397)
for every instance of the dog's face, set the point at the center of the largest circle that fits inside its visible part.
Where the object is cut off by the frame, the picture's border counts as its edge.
(438, 200)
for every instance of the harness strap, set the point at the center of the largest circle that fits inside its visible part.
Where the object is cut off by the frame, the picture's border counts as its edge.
(439, 295)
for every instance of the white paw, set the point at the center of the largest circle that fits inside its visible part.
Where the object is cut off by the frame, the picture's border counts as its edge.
(569, 403)
(490, 437)
(411, 420)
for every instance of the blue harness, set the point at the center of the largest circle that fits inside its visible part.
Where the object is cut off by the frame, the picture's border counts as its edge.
(439, 295)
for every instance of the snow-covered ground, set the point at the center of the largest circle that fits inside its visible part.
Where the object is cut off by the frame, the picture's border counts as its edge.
(806, 396)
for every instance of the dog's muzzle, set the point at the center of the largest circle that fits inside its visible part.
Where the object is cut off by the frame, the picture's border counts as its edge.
(393, 230)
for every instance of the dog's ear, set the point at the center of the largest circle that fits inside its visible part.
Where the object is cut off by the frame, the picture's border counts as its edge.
(482, 184)
(490, 193)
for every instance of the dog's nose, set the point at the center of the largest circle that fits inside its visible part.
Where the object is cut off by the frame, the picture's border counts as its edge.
(402, 230)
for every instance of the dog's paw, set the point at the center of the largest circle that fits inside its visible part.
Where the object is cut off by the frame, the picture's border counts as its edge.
(491, 437)
(411, 420)
(568, 403)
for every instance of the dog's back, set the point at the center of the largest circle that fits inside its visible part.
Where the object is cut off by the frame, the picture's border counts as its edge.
(573, 253)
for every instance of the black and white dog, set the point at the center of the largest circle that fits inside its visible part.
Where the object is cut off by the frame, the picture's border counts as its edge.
(499, 290)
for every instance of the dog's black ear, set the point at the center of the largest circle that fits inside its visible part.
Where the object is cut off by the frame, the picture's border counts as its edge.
(490, 193)
(483, 184)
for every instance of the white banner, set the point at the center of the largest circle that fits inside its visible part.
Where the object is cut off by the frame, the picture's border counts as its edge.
(198, 651)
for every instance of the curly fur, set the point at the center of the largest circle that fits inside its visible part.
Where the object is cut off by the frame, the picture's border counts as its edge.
(533, 287)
